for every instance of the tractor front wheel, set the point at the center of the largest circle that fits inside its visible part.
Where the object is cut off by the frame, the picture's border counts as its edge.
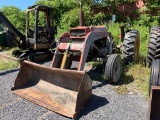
(113, 68)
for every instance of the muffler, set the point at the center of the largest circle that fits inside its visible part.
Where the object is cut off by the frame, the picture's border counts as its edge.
(63, 91)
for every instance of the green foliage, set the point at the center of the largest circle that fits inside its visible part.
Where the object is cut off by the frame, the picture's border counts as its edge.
(152, 4)
(8, 64)
(98, 19)
(15, 16)
(152, 9)
(60, 7)
(144, 36)
(60, 31)
(70, 19)
(147, 20)
(66, 13)
(143, 20)
(114, 29)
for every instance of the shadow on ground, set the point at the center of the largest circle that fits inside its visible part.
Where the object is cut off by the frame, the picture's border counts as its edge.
(8, 71)
(125, 79)
(95, 103)
(97, 74)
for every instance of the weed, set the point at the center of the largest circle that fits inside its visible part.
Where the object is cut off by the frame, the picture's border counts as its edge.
(114, 28)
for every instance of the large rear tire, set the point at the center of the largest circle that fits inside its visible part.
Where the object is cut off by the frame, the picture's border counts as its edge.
(113, 68)
(153, 45)
(154, 74)
(131, 45)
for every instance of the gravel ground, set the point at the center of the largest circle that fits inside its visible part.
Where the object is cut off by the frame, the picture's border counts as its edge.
(105, 104)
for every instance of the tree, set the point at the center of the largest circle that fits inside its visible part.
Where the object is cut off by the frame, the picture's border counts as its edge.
(153, 8)
(15, 16)
(60, 7)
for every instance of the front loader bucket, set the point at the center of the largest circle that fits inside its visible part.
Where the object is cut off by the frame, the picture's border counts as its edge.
(60, 90)
(154, 106)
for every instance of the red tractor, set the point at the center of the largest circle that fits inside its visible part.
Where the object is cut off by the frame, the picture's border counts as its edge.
(64, 89)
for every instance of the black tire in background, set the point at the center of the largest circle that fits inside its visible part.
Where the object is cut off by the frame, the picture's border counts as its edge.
(153, 45)
(113, 68)
(131, 45)
(154, 74)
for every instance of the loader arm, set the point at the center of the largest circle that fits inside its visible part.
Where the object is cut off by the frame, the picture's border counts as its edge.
(89, 40)
(82, 47)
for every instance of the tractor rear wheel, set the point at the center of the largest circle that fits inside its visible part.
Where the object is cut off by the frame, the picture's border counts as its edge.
(131, 44)
(113, 68)
(154, 74)
(153, 45)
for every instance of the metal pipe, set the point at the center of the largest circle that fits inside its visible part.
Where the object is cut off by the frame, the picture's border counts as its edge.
(122, 32)
(81, 16)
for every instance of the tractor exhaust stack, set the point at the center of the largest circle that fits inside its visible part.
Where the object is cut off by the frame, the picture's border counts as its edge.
(81, 16)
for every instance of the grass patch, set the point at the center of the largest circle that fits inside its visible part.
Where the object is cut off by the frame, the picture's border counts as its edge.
(135, 80)
(6, 64)
(8, 51)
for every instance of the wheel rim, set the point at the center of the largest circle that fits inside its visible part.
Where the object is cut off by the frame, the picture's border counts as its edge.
(117, 70)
